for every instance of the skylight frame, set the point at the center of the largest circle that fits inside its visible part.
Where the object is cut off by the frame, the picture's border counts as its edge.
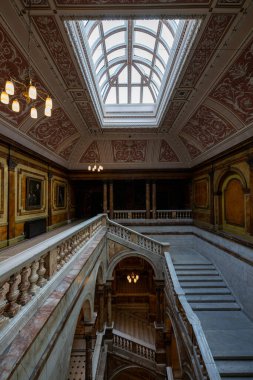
(150, 114)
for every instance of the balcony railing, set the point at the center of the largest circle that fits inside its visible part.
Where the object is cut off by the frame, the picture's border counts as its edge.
(158, 214)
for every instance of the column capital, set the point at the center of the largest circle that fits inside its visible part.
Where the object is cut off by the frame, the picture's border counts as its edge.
(12, 164)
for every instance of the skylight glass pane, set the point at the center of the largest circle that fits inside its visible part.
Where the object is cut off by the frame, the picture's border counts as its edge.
(145, 39)
(167, 36)
(111, 97)
(94, 36)
(97, 53)
(150, 24)
(116, 54)
(159, 65)
(99, 67)
(143, 54)
(111, 24)
(147, 96)
(156, 79)
(114, 69)
(163, 53)
(144, 69)
(135, 95)
(102, 80)
(114, 40)
(135, 76)
(123, 76)
(122, 95)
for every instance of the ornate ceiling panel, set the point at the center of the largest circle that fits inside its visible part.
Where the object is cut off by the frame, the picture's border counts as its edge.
(210, 107)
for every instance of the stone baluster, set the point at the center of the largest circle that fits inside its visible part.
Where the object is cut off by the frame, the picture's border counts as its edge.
(62, 255)
(24, 284)
(41, 272)
(58, 258)
(3, 302)
(11, 296)
(33, 278)
(66, 252)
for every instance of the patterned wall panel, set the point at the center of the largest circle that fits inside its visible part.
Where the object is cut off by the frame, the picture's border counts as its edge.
(201, 192)
(207, 128)
(52, 132)
(235, 89)
(234, 203)
(129, 151)
(167, 154)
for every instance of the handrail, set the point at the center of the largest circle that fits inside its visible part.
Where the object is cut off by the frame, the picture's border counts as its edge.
(155, 214)
(129, 344)
(201, 350)
(22, 275)
(136, 238)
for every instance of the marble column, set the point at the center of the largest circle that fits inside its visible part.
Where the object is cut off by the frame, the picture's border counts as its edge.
(50, 200)
(111, 199)
(105, 197)
(154, 200)
(159, 302)
(88, 356)
(109, 303)
(147, 200)
(100, 290)
(12, 192)
(211, 197)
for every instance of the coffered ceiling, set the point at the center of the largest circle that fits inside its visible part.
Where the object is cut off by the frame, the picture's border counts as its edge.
(209, 111)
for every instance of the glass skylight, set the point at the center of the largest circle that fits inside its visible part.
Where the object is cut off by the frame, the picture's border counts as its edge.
(129, 57)
(131, 66)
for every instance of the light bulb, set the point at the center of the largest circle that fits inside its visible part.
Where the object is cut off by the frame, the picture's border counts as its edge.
(101, 167)
(48, 112)
(34, 113)
(9, 87)
(95, 167)
(32, 92)
(49, 103)
(4, 97)
(15, 106)
(89, 168)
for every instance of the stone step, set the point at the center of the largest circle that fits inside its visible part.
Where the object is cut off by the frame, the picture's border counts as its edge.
(199, 278)
(210, 298)
(232, 368)
(197, 272)
(197, 267)
(215, 306)
(192, 265)
(209, 291)
(237, 378)
(203, 284)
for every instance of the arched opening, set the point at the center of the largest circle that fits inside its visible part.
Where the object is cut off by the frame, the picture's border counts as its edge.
(173, 359)
(135, 373)
(134, 299)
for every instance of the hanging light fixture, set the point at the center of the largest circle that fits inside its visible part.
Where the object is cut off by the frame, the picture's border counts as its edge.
(95, 167)
(133, 277)
(27, 90)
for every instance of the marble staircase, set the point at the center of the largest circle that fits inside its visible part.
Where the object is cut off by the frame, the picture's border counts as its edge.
(228, 330)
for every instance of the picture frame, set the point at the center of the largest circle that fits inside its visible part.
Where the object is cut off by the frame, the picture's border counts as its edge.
(60, 195)
(33, 193)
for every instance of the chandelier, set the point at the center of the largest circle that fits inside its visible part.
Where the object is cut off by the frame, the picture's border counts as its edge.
(95, 167)
(15, 90)
(133, 277)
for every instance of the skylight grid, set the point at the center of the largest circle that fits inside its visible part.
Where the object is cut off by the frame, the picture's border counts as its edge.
(129, 58)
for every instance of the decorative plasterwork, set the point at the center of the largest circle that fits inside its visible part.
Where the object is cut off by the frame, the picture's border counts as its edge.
(129, 151)
(167, 154)
(235, 89)
(13, 64)
(66, 152)
(207, 128)
(91, 154)
(128, 2)
(54, 131)
(55, 44)
(192, 150)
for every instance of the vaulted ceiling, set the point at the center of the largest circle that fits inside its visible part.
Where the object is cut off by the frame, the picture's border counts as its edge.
(209, 111)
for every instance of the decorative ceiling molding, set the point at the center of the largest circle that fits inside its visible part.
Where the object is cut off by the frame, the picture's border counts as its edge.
(66, 152)
(235, 89)
(207, 128)
(128, 2)
(125, 151)
(192, 150)
(54, 131)
(91, 154)
(167, 154)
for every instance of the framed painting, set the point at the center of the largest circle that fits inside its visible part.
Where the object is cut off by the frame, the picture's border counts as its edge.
(33, 193)
(60, 195)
